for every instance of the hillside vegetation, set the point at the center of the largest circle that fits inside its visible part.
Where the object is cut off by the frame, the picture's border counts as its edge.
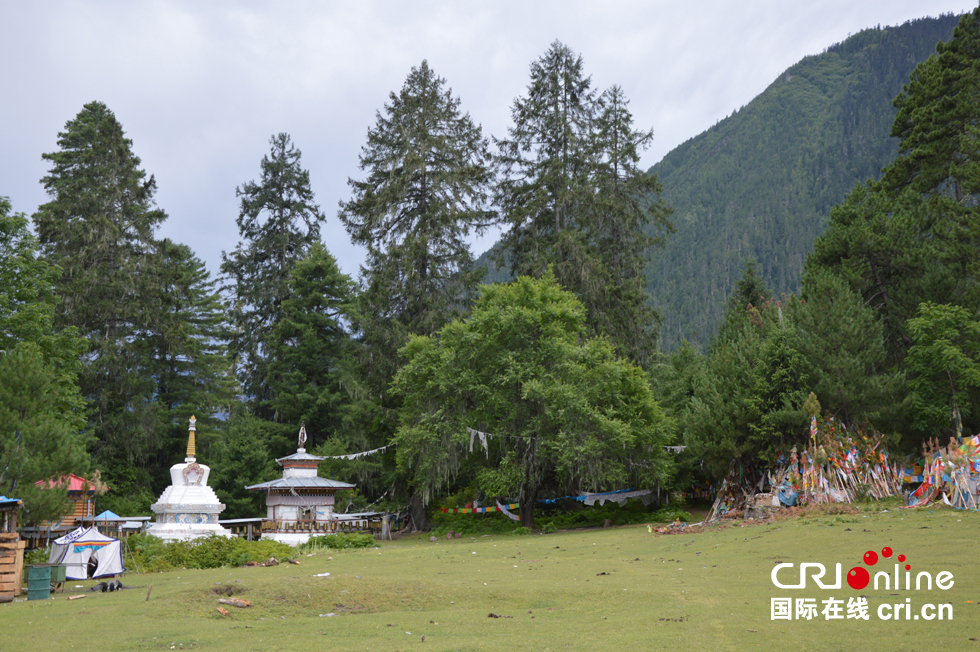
(761, 183)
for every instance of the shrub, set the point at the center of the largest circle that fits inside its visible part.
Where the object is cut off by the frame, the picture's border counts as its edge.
(473, 525)
(522, 530)
(337, 541)
(669, 514)
(153, 554)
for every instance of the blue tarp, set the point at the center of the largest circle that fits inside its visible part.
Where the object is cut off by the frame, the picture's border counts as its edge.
(787, 495)
(108, 516)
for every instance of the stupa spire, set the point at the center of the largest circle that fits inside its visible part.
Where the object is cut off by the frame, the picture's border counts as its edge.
(302, 438)
(190, 440)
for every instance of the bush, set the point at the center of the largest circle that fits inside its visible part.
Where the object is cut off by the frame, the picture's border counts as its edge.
(337, 541)
(669, 514)
(522, 530)
(550, 528)
(153, 554)
(473, 525)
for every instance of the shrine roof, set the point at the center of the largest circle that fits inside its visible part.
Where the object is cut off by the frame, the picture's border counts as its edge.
(302, 483)
(300, 456)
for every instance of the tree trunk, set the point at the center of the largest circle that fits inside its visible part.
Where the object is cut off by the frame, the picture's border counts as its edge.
(527, 509)
(417, 511)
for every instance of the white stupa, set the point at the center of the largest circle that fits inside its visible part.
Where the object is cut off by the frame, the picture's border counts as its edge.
(188, 508)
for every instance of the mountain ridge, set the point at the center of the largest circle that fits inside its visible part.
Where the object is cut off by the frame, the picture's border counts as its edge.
(760, 183)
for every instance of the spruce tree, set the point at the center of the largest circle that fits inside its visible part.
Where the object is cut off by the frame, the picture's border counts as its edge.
(425, 191)
(186, 348)
(307, 347)
(98, 227)
(278, 222)
(624, 208)
(576, 200)
(544, 165)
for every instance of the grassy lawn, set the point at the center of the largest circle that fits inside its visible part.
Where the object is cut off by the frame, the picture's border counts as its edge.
(607, 589)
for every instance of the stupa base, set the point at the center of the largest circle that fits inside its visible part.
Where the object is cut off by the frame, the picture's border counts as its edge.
(187, 531)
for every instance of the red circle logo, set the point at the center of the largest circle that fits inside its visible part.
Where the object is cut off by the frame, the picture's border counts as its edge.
(858, 578)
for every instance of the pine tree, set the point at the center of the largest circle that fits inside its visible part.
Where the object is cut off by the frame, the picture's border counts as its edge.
(939, 155)
(98, 227)
(936, 121)
(576, 200)
(278, 222)
(748, 401)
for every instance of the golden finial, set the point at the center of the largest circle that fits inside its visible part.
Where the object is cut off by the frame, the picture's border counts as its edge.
(190, 438)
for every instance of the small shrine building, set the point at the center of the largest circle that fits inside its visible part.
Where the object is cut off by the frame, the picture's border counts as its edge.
(300, 504)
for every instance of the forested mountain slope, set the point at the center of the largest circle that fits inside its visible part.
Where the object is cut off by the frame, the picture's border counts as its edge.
(760, 184)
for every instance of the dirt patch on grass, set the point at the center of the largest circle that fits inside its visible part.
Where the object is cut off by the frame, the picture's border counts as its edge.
(815, 511)
(227, 590)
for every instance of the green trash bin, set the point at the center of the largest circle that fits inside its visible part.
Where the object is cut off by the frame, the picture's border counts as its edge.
(38, 582)
(58, 573)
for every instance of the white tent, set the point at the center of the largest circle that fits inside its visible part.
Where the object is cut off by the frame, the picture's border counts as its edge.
(75, 549)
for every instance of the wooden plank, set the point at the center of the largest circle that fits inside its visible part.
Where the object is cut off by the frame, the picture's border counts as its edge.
(7, 559)
(7, 586)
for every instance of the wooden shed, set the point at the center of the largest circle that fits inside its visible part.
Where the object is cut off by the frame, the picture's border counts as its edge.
(11, 550)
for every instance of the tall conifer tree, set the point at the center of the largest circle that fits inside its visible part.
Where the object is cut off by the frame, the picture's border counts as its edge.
(307, 346)
(576, 200)
(278, 222)
(98, 227)
(186, 346)
(425, 191)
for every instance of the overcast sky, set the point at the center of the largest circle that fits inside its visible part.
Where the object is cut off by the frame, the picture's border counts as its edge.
(200, 87)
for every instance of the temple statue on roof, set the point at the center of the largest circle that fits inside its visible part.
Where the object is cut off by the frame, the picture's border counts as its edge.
(188, 508)
(300, 503)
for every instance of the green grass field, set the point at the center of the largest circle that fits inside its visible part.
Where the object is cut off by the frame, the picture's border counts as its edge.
(606, 589)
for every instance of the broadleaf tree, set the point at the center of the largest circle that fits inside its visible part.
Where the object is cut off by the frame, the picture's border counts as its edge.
(37, 442)
(563, 412)
(943, 366)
